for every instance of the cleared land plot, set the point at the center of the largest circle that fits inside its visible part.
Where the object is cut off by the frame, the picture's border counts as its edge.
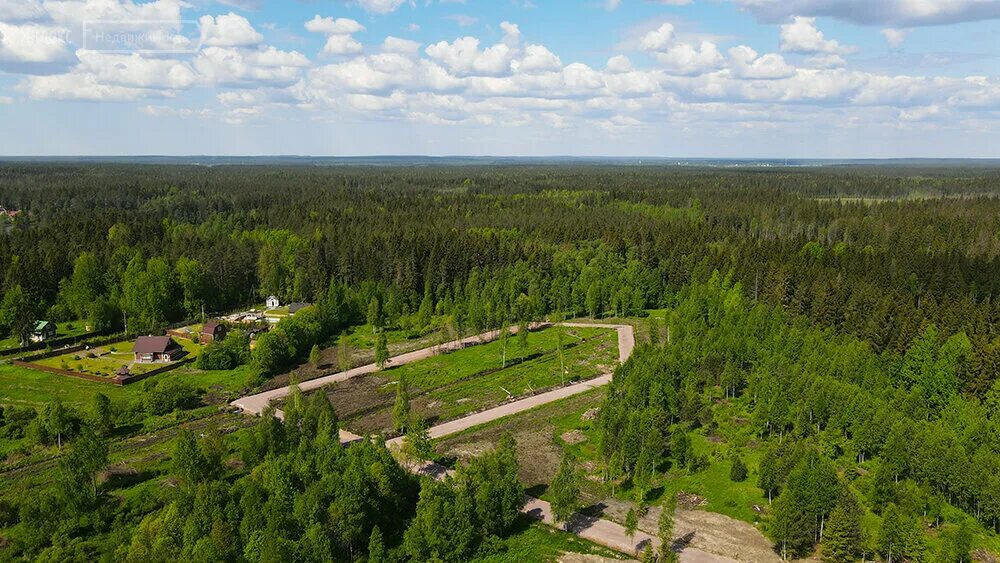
(105, 360)
(454, 384)
(360, 344)
(536, 433)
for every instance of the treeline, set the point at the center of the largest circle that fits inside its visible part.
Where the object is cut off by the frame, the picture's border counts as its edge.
(295, 495)
(146, 245)
(843, 426)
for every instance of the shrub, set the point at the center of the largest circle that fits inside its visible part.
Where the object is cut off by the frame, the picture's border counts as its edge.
(738, 472)
(168, 395)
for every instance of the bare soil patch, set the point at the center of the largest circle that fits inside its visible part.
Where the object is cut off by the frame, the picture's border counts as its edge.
(573, 437)
(537, 450)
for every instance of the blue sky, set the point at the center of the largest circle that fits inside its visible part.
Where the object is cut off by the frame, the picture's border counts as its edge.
(686, 78)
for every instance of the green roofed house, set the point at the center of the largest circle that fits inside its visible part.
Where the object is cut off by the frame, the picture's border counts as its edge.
(44, 330)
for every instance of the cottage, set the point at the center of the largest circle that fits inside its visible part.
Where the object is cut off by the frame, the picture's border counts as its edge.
(212, 331)
(273, 302)
(296, 307)
(44, 330)
(152, 349)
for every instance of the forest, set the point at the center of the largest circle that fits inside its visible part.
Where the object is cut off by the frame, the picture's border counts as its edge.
(849, 316)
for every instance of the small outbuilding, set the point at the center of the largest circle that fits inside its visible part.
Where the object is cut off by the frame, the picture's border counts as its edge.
(154, 349)
(273, 302)
(212, 331)
(296, 307)
(44, 330)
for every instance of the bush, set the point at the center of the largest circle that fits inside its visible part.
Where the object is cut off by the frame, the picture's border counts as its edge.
(169, 395)
(738, 472)
(226, 354)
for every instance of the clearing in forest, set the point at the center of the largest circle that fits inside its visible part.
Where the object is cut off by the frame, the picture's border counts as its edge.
(451, 385)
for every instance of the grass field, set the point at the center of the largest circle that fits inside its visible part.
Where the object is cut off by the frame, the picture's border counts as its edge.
(28, 387)
(447, 368)
(63, 330)
(454, 384)
(105, 360)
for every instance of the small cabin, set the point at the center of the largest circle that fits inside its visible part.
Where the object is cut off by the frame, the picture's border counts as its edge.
(43, 330)
(296, 307)
(212, 331)
(155, 349)
(273, 302)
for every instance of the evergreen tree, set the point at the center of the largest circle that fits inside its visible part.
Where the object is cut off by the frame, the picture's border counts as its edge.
(314, 356)
(665, 531)
(401, 408)
(841, 537)
(631, 522)
(738, 471)
(381, 350)
(376, 548)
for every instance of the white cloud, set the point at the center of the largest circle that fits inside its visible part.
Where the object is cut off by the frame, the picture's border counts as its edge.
(658, 39)
(380, 6)
(464, 57)
(342, 45)
(331, 26)
(894, 13)
(21, 10)
(894, 37)
(401, 46)
(229, 30)
(136, 71)
(239, 67)
(339, 32)
(537, 59)
(688, 59)
(80, 86)
(746, 63)
(618, 64)
(33, 43)
(801, 36)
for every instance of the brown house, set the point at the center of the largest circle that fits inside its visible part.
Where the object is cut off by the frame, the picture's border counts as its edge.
(212, 331)
(152, 349)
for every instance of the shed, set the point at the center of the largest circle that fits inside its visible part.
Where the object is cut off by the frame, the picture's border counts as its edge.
(212, 331)
(43, 331)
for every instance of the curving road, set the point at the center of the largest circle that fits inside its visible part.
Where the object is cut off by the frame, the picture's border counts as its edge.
(604, 532)
(255, 404)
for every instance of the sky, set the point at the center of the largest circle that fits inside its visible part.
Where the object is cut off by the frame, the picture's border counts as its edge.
(670, 78)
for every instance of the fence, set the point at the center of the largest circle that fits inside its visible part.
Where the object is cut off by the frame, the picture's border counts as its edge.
(52, 343)
(116, 380)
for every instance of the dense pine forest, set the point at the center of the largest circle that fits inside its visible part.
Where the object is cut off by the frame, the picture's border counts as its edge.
(848, 317)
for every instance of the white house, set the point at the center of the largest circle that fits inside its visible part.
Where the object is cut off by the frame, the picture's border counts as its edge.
(273, 302)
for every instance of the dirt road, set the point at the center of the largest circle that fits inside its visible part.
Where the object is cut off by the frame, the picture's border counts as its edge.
(255, 404)
(514, 407)
(604, 532)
